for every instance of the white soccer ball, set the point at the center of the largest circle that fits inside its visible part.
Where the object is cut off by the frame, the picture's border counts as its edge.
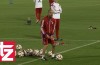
(20, 53)
(50, 53)
(18, 47)
(41, 51)
(25, 52)
(29, 52)
(36, 52)
(59, 57)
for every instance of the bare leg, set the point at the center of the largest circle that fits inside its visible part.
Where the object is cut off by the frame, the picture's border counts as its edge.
(53, 50)
(44, 49)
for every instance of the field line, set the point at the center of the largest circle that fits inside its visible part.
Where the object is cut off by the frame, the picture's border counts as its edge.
(62, 52)
(79, 47)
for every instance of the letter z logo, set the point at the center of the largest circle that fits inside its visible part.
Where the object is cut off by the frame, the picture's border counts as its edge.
(7, 51)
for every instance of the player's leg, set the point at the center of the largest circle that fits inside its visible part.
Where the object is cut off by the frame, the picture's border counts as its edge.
(40, 11)
(53, 51)
(45, 43)
(37, 14)
(43, 53)
(53, 48)
(57, 28)
(50, 3)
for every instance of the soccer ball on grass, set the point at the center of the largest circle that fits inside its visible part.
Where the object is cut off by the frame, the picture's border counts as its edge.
(18, 47)
(59, 57)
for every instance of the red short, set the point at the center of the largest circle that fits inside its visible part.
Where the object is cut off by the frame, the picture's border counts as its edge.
(38, 10)
(47, 41)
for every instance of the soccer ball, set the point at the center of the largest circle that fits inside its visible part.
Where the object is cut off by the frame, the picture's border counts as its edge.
(18, 47)
(50, 53)
(59, 57)
(40, 52)
(36, 52)
(20, 53)
(29, 52)
(25, 53)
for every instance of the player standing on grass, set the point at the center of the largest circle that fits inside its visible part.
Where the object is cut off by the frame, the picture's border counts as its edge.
(47, 29)
(38, 9)
(57, 10)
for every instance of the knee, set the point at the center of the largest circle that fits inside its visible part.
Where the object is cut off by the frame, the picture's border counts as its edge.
(46, 45)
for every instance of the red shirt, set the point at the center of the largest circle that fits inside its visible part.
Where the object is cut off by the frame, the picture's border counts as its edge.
(51, 1)
(48, 25)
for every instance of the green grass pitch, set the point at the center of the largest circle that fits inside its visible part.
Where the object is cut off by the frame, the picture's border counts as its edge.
(82, 46)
